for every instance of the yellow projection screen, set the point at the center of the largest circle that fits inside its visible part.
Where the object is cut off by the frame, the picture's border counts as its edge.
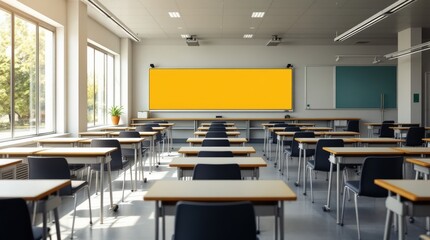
(220, 89)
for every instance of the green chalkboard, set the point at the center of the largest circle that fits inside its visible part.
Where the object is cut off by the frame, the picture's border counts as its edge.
(362, 86)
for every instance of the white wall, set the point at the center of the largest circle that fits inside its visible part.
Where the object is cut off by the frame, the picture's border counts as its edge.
(233, 55)
(102, 37)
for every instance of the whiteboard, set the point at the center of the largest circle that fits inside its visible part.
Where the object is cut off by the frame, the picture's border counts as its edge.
(320, 87)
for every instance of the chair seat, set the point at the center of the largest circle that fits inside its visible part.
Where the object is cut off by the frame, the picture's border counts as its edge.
(77, 185)
(353, 185)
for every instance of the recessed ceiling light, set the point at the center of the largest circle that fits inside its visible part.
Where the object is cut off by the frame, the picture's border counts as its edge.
(257, 14)
(185, 35)
(174, 14)
(247, 35)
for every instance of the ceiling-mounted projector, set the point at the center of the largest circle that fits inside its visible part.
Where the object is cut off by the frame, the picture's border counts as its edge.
(192, 41)
(275, 41)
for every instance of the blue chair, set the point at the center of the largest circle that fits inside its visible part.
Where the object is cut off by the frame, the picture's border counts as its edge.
(217, 128)
(414, 137)
(288, 143)
(294, 151)
(158, 138)
(353, 126)
(216, 134)
(273, 134)
(215, 221)
(217, 172)
(128, 153)
(15, 221)
(386, 130)
(117, 162)
(216, 143)
(215, 154)
(321, 160)
(57, 168)
(373, 168)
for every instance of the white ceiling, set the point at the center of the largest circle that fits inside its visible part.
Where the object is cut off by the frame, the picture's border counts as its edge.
(295, 21)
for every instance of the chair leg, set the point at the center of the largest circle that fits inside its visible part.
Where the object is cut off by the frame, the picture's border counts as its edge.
(311, 185)
(342, 214)
(89, 204)
(97, 182)
(356, 215)
(304, 177)
(74, 215)
(123, 185)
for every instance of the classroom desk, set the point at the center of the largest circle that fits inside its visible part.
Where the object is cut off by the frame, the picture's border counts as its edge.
(316, 129)
(268, 197)
(97, 134)
(152, 136)
(371, 127)
(412, 199)
(72, 141)
(350, 155)
(7, 164)
(427, 140)
(136, 144)
(421, 165)
(228, 129)
(34, 191)
(249, 166)
(115, 129)
(304, 144)
(195, 141)
(20, 151)
(414, 150)
(210, 124)
(169, 128)
(399, 132)
(202, 133)
(82, 155)
(366, 141)
(340, 134)
(237, 151)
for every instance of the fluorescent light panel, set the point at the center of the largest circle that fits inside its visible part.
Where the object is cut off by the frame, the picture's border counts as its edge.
(257, 14)
(406, 52)
(174, 14)
(374, 19)
(247, 35)
(102, 9)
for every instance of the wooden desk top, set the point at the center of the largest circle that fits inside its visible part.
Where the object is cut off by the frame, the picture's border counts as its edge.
(142, 134)
(159, 128)
(77, 151)
(235, 150)
(405, 128)
(424, 237)
(424, 162)
(226, 128)
(61, 140)
(245, 119)
(220, 190)
(120, 140)
(231, 140)
(341, 133)
(21, 151)
(7, 162)
(119, 129)
(209, 124)
(315, 140)
(426, 139)
(234, 133)
(414, 150)
(243, 162)
(394, 124)
(413, 190)
(30, 190)
(94, 134)
(316, 128)
(290, 124)
(378, 140)
(362, 151)
(161, 124)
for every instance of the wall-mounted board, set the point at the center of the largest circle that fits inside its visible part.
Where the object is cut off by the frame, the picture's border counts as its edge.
(220, 89)
(320, 87)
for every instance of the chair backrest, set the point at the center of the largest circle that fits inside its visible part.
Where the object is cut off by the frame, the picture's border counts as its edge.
(215, 154)
(116, 162)
(218, 122)
(216, 143)
(295, 145)
(386, 130)
(50, 168)
(15, 220)
(275, 122)
(379, 168)
(129, 134)
(388, 121)
(321, 156)
(161, 121)
(292, 129)
(217, 128)
(217, 172)
(144, 128)
(273, 134)
(214, 221)
(415, 136)
(216, 134)
(353, 126)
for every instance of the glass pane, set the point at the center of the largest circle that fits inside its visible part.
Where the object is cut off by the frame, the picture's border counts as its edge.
(5, 74)
(100, 102)
(25, 88)
(46, 81)
(110, 81)
(90, 86)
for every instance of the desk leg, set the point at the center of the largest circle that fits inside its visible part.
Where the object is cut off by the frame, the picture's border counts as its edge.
(304, 171)
(281, 221)
(101, 190)
(388, 220)
(337, 192)
(327, 206)
(264, 141)
(297, 183)
(57, 223)
(114, 207)
(156, 219)
(135, 167)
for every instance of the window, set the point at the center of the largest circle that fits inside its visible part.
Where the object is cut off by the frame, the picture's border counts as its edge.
(101, 85)
(27, 79)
